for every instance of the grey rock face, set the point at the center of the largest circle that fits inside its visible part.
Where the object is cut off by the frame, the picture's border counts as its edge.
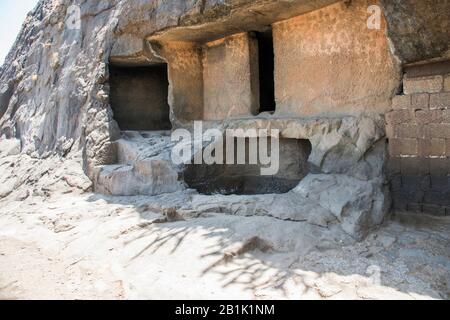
(418, 28)
(358, 205)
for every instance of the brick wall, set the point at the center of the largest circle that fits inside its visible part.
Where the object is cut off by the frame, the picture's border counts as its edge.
(418, 129)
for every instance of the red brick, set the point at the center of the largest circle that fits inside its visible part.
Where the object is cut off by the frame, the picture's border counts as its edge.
(440, 101)
(401, 102)
(420, 101)
(428, 116)
(403, 147)
(434, 130)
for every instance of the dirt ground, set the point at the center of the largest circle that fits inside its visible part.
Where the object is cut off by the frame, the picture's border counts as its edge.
(71, 246)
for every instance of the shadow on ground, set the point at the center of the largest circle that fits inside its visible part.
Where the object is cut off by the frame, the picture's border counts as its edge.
(407, 258)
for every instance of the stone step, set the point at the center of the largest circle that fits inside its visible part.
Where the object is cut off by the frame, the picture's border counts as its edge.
(144, 166)
(138, 145)
(147, 177)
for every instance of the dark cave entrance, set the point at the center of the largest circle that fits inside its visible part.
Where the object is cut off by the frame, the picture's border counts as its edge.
(246, 179)
(266, 71)
(139, 97)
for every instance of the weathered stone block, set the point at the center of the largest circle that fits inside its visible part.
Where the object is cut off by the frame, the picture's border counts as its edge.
(393, 166)
(431, 147)
(447, 147)
(390, 130)
(416, 186)
(425, 183)
(437, 148)
(415, 207)
(440, 130)
(432, 84)
(447, 83)
(403, 147)
(420, 101)
(441, 198)
(428, 116)
(407, 131)
(446, 116)
(413, 183)
(439, 167)
(412, 194)
(399, 116)
(423, 147)
(401, 102)
(396, 182)
(399, 203)
(415, 166)
(440, 183)
(440, 101)
(433, 209)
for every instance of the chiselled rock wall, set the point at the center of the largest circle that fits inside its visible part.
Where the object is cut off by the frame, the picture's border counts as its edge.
(230, 61)
(58, 75)
(329, 61)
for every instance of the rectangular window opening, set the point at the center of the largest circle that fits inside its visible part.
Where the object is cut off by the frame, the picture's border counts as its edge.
(266, 71)
(139, 97)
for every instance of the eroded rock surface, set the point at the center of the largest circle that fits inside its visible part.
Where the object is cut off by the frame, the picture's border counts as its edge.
(346, 188)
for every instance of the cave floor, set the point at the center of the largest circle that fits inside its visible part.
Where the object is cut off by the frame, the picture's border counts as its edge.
(86, 246)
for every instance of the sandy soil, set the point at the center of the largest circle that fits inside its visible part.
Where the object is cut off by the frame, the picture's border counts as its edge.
(72, 246)
(30, 272)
